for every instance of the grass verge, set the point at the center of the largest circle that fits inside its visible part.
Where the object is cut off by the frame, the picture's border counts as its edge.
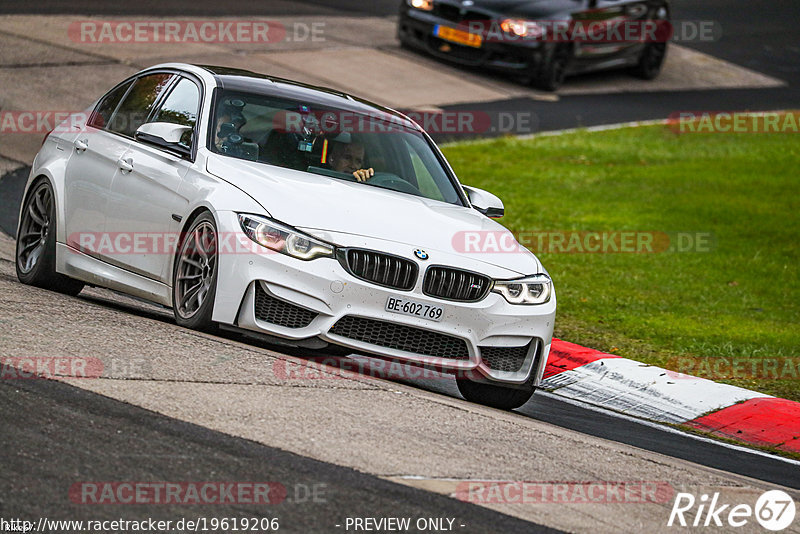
(728, 309)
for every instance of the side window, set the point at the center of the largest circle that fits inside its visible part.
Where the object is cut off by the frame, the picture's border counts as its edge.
(138, 103)
(431, 179)
(425, 179)
(102, 113)
(181, 107)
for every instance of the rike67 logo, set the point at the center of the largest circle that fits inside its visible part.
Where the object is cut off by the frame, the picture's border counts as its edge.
(774, 510)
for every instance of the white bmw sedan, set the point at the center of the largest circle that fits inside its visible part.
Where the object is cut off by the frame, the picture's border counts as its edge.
(303, 214)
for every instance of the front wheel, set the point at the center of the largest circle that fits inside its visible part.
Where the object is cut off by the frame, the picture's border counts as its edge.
(552, 74)
(650, 61)
(36, 243)
(504, 398)
(194, 280)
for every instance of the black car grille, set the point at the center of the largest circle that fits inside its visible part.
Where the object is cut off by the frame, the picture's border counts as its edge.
(508, 359)
(455, 284)
(381, 269)
(401, 337)
(455, 14)
(279, 312)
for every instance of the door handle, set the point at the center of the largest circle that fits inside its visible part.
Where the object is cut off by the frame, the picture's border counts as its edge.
(81, 145)
(125, 165)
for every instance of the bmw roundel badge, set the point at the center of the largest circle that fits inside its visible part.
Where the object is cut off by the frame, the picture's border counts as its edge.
(421, 254)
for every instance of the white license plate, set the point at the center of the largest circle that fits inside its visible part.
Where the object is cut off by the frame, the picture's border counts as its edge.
(414, 309)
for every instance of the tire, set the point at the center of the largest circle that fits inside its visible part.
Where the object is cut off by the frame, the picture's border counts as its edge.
(36, 242)
(503, 398)
(551, 75)
(194, 277)
(650, 61)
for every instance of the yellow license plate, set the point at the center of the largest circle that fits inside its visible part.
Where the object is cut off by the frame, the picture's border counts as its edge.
(458, 36)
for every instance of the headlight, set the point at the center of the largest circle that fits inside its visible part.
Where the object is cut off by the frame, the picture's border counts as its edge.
(522, 28)
(283, 239)
(534, 289)
(424, 5)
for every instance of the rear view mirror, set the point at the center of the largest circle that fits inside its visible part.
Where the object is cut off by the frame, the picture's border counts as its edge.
(164, 135)
(485, 202)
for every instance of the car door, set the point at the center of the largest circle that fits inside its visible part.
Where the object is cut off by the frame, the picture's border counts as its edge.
(90, 169)
(145, 202)
(99, 151)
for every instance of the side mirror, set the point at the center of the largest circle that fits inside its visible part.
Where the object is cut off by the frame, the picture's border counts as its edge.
(164, 135)
(485, 202)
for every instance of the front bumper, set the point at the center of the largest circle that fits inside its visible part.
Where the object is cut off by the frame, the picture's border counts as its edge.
(277, 295)
(416, 28)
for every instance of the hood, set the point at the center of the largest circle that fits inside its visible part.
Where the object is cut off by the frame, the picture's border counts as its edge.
(532, 9)
(320, 204)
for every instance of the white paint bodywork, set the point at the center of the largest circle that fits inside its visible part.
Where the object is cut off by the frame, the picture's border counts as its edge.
(342, 213)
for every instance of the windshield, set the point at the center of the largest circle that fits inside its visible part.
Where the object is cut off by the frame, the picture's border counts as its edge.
(377, 150)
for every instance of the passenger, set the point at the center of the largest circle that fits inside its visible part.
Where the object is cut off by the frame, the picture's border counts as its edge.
(225, 130)
(230, 121)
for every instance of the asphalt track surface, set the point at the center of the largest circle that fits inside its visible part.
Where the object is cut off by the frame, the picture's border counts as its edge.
(542, 407)
(603, 424)
(763, 36)
(43, 452)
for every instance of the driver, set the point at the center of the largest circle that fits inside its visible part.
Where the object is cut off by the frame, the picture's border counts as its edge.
(349, 158)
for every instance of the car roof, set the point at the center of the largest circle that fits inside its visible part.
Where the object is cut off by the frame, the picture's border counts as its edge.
(252, 82)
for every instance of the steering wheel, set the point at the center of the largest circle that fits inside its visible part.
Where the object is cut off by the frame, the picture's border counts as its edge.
(394, 182)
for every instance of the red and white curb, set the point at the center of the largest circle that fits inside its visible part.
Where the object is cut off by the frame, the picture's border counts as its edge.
(645, 391)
